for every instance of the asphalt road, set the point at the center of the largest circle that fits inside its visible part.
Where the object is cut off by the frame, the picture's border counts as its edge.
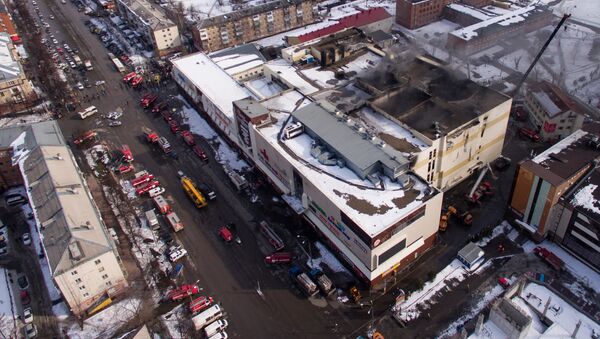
(230, 273)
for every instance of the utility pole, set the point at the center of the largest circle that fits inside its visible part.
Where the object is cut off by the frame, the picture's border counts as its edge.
(537, 57)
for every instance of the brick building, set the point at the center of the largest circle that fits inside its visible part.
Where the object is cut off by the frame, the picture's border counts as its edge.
(15, 88)
(417, 13)
(253, 23)
(553, 112)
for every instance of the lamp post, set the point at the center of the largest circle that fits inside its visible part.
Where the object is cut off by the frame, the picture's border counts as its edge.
(303, 249)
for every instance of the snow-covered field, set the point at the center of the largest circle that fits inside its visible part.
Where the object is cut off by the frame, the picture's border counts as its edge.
(326, 258)
(105, 323)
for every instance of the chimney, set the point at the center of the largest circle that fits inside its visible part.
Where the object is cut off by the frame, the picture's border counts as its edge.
(576, 329)
(546, 307)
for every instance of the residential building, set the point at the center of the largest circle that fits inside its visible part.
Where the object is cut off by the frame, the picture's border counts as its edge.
(368, 21)
(552, 111)
(358, 143)
(486, 33)
(541, 182)
(7, 25)
(413, 14)
(82, 257)
(10, 175)
(15, 89)
(150, 20)
(252, 23)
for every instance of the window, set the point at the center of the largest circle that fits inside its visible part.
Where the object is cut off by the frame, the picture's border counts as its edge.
(105, 276)
(73, 272)
(108, 283)
(82, 287)
(391, 252)
(101, 269)
(97, 262)
(85, 295)
(78, 280)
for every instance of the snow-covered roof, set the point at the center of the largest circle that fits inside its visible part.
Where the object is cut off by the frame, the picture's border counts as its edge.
(286, 102)
(560, 146)
(238, 59)
(547, 104)
(474, 12)
(289, 74)
(149, 13)
(505, 20)
(214, 83)
(373, 209)
(9, 67)
(72, 230)
(588, 195)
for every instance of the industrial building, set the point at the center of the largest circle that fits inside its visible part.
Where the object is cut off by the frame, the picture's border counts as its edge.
(359, 147)
(82, 257)
(150, 19)
(552, 111)
(413, 14)
(252, 23)
(488, 32)
(15, 89)
(555, 176)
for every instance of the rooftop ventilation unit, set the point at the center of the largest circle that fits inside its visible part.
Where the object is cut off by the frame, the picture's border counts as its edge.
(58, 157)
(406, 181)
(75, 251)
(293, 130)
(72, 190)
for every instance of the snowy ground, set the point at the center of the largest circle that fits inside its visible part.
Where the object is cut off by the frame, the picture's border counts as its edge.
(420, 300)
(223, 153)
(6, 305)
(25, 119)
(173, 320)
(105, 323)
(326, 258)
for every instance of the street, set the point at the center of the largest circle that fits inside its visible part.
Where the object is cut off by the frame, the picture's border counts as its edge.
(231, 273)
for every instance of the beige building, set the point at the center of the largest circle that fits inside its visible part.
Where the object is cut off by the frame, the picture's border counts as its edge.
(553, 112)
(151, 20)
(253, 23)
(82, 257)
(15, 88)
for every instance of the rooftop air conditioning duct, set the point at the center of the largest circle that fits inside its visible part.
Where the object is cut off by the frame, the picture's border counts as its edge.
(406, 181)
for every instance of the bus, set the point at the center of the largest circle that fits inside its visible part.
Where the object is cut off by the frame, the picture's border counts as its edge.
(87, 112)
(119, 65)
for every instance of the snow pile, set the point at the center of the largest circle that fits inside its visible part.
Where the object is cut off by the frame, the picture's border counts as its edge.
(418, 301)
(326, 258)
(173, 321)
(585, 198)
(503, 228)
(486, 299)
(223, 153)
(108, 321)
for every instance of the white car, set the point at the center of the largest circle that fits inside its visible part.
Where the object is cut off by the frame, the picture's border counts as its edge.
(100, 82)
(28, 315)
(114, 115)
(26, 239)
(72, 64)
(30, 331)
(79, 86)
(54, 41)
(52, 17)
(177, 254)
(114, 124)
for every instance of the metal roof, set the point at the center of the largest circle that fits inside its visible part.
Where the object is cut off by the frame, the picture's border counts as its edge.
(471, 252)
(9, 67)
(350, 142)
(46, 133)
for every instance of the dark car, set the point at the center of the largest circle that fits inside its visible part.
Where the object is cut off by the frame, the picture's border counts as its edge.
(22, 282)
(25, 298)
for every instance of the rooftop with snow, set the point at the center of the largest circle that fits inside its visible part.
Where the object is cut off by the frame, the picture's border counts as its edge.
(501, 22)
(372, 203)
(587, 197)
(9, 67)
(568, 156)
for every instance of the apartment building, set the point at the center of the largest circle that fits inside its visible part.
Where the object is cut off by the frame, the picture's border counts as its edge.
(82, 257)
(253, 23)
(556, 173)
(413, 14)
(552, 111)
(15, 88)
(150, 19)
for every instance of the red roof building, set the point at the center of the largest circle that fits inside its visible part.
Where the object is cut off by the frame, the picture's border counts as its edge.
(363, 18)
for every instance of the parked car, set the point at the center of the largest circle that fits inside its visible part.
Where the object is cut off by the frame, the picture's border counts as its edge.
(26, 239)
(530, 134)
(200, 153)
(25, 298)
(27, 315)
(22, 282)
(30, 331)
(174, 126)
(114, 115)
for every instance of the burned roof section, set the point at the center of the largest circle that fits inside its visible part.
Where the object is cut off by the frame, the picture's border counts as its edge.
(429, 98)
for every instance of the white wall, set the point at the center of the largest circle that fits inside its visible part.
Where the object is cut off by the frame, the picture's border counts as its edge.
(167, 38)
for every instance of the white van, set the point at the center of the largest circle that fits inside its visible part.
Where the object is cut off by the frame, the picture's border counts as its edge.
(152, 219)
(215, 327)
(211, 314)
(88, 112)
(219, 335)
